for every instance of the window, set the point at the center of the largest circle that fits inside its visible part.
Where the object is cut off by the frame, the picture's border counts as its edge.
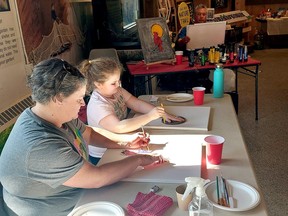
(130, 11)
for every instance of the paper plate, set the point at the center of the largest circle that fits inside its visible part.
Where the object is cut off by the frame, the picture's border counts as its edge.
(98, 208)
(245, 196)
(179, 97)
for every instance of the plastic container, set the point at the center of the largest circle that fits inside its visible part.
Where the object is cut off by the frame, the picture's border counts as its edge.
(218, 82)
(200, 204)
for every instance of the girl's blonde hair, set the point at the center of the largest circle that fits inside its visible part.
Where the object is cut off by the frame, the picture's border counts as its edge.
(99, 70)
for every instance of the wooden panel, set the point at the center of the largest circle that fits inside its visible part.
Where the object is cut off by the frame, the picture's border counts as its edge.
(258, 2)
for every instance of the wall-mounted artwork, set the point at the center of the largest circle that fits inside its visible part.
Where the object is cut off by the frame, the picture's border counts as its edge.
(155, 40)
(219, 3)
(4, 5)
(210, 14)
(50, 29)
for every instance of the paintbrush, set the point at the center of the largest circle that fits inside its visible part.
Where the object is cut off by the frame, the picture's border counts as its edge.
(164, 119)
(217, 189)
(144, 134)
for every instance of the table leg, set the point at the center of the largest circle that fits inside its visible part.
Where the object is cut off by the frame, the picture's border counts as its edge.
(132, 85)
(149, 85)
(256, 91)
(236, 80)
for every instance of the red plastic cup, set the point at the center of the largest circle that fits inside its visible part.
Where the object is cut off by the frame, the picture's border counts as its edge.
(214, 147)
(198, 93)
(179, 57)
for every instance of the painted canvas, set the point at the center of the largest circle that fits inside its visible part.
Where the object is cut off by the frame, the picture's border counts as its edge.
(219, 3)
(155, 40)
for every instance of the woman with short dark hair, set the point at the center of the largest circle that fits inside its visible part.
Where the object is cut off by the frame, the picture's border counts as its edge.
(44, 163)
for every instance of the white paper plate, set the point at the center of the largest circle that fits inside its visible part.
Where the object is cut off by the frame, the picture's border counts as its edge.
(179, 97)
(245, 196)
(98, 208)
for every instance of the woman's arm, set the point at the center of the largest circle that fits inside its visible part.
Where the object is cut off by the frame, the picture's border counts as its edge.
(90, 176)
(102, 138)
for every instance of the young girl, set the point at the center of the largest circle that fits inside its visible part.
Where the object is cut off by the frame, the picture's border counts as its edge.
(107, 107)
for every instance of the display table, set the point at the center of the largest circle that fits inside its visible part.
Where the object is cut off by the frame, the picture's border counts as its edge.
(276, 31)
(235, 164)
(277, 26)
(250, 68)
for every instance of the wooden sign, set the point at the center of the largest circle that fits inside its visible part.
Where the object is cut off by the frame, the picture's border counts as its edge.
(184, 14)
(155, 40)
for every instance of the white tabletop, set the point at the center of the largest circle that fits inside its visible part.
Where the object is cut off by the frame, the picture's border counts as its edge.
(235, 164)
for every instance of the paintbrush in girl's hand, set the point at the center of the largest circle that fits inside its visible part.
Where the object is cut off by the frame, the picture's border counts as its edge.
(164, 119)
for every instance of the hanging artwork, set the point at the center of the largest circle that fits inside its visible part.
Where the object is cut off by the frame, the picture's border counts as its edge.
(155, 40)
(219, 3)
(4, 5)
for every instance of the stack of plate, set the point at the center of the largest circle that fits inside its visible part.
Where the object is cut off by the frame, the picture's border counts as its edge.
(179, 97)
(97, 209)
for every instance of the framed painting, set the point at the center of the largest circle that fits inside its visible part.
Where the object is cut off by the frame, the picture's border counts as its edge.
(4, 5)
(155, 40)
(210, 14)
(219, 3)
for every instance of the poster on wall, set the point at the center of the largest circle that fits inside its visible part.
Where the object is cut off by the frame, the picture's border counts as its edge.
(12, 63)
(4, 5)
(219, 3)
(155, 40)
(50, 29)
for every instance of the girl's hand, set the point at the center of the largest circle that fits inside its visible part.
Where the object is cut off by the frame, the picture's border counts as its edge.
(170, 118)
(141, 141)
(157, 112)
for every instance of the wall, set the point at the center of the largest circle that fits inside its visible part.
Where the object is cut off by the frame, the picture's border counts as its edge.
(31, 31)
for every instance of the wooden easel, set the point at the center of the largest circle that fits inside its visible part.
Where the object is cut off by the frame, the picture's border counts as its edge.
(169, 61)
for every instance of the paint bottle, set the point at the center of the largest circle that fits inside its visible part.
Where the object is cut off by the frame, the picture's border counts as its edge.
(240, 53)
(217, 55)
(218, 81)
(211, 55)
(245, 53)
(191, 57)
(231, 53)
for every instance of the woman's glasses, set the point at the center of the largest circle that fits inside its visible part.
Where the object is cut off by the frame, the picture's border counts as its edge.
(67, 69)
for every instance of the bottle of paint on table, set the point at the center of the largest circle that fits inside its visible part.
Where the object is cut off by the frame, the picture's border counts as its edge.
(191, 57)
(245, 53)
(218, 81)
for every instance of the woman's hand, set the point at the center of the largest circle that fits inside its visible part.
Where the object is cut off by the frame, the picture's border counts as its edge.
(150, 159)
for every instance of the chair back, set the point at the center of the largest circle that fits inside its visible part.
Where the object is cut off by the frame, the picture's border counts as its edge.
(109, 52)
